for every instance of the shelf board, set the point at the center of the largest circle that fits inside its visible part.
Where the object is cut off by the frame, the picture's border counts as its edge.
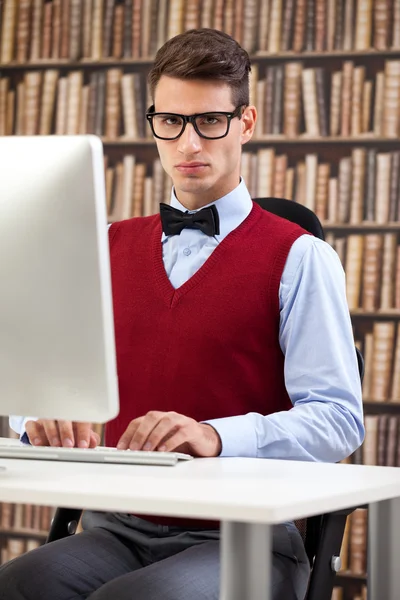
(278, 140)
(345, 54)
(365, 226)
(85, 63)
(390, 313)
(349, 576)
(304, 139)
(24, 534)
(260, 56)
(124, 142)
(372, 407)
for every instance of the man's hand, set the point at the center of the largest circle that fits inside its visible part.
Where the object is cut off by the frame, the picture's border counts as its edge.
(61, 433)
(170, 431)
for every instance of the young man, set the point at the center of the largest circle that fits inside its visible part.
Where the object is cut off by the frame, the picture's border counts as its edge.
(233, 339)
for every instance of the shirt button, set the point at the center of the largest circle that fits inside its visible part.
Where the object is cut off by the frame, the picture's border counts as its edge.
(187, 251)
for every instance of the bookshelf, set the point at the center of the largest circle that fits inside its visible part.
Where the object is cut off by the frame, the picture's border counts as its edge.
(326, 82)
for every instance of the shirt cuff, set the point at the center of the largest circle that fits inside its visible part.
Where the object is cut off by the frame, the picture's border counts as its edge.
(24, 438)
(238, 436)
(23, 435)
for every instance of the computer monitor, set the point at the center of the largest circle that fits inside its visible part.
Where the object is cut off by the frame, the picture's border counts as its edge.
(57, 348)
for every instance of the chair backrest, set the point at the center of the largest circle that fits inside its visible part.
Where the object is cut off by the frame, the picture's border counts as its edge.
(295, 212)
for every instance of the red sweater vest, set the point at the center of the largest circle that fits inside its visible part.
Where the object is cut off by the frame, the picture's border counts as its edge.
(210, 348)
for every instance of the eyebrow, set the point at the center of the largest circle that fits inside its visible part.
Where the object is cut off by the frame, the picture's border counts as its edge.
(199, 112)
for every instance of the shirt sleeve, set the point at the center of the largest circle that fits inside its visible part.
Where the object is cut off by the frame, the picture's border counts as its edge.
(17, 424)
(321, 371)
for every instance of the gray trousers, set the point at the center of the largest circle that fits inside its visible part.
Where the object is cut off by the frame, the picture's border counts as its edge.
(122, 557)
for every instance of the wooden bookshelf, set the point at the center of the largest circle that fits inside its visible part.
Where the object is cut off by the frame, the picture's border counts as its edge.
(262, 57)
(277, 141)
(336, 63)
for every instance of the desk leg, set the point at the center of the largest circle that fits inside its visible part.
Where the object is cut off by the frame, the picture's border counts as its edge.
(245, 561)
(384, 550)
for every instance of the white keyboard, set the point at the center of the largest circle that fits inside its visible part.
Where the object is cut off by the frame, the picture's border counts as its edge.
(101, 454)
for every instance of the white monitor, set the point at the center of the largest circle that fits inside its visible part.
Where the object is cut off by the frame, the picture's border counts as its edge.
(57, 348)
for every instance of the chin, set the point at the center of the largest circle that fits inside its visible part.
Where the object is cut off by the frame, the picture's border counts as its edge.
(191, 183)
(196, 188)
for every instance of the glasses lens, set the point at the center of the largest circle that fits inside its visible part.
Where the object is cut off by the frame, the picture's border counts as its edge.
(167, 126)
(212, 125)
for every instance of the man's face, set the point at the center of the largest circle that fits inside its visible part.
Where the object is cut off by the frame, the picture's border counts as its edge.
(202, 170)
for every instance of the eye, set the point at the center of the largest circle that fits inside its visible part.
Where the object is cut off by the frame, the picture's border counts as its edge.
(172, 120)
(210, 120)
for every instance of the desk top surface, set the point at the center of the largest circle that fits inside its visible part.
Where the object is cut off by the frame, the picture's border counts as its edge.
(238, 489)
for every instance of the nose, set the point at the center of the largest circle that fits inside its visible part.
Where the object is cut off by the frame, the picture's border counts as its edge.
(190, 141)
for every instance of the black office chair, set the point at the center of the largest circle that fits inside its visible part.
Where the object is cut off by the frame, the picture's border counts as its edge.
(322, 534)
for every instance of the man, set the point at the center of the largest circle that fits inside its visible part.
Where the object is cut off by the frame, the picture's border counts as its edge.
(233, 339)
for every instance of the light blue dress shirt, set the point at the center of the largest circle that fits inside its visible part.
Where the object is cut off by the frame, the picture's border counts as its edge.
(315, 335)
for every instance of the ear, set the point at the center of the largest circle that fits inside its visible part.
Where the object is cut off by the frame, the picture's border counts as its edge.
(248, 121)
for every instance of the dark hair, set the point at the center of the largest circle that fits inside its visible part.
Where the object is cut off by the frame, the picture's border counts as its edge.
(207, 54)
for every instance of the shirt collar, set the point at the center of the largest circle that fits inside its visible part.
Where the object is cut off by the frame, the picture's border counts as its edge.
(232, 209)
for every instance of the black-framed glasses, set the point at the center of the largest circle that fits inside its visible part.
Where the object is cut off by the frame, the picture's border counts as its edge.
(209, 125)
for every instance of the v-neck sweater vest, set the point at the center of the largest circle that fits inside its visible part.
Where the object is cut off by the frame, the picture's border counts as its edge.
(210, 348)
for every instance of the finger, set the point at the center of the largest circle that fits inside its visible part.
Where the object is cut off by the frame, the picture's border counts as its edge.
(164, 430)
(36, 433)
(94, 439)
(82, 434)
(126, 437)
(66, 433)
(140, 437)
(52, 433)
(172, 443)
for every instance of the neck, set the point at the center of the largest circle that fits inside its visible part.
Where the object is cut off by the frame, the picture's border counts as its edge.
(192, 201)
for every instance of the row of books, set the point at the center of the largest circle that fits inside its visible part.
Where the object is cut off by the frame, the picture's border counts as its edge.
(361, 187)
(343, 193)
(5, 430)
(353, 549)
(73, 29)
(340, 594)
(293, 100)
(372, 265)
(25, 517)
(45, 103)
(381, 446)
(132, 191)
(380, 348)
(12, 547)
(110, 104)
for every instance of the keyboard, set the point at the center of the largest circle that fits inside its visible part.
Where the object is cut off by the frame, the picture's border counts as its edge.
(101, 454)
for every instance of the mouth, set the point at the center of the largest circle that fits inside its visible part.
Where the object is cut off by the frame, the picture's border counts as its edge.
(191, 167)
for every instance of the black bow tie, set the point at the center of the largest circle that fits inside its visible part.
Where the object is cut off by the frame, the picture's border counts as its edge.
(174, 220)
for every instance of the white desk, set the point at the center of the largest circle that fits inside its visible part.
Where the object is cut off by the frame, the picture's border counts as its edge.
(247, 495)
